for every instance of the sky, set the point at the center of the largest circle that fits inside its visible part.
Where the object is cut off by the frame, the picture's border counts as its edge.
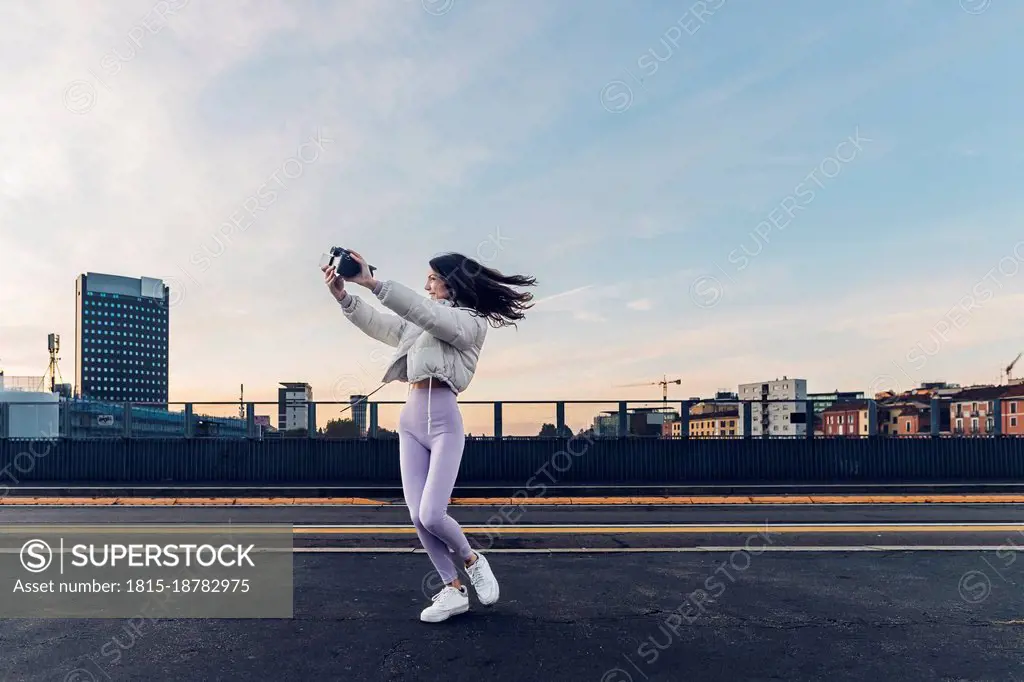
(715, 192)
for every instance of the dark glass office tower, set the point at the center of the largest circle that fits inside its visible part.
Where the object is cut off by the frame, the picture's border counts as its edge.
(121, 338)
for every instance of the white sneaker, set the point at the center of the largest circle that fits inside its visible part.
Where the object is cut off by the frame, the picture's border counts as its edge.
(448, 602)
(484, 583)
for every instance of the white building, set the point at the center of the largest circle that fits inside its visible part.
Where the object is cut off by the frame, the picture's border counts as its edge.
(292, 411)
(30, 413)
(776, 419)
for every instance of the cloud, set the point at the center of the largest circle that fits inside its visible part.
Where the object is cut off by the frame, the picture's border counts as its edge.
(572, 292)
(760, 340)
(443, 128)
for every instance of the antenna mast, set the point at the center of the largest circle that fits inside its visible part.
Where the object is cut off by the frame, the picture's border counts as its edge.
(53, 344)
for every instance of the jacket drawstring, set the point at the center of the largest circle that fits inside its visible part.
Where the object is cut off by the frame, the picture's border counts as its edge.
(430, 389)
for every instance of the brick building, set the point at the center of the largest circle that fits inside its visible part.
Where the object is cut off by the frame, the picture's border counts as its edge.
(913, 421)
(970, 410)
(912, 411)
(1013, 410)
(845, 418)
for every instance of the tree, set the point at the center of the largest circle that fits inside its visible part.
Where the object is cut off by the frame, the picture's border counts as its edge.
(552, 431)
(341, 428)
(346, 428)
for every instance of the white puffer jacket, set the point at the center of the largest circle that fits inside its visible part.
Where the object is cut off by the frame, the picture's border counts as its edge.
(433, 339)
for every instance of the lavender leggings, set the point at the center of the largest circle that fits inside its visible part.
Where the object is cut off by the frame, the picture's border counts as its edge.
(430, 455)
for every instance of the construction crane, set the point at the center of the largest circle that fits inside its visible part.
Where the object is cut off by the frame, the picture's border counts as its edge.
(1009, 367)
(663, 383)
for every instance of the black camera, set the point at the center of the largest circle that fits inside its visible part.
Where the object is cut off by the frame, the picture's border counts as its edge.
(342, 261)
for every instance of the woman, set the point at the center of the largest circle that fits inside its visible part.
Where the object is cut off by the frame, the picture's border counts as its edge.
(437, 341)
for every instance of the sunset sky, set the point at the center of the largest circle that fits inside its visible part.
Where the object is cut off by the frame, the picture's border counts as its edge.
(718, 192)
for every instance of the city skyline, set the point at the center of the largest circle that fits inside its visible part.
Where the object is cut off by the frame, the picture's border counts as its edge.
(525, 418)
(696, 200)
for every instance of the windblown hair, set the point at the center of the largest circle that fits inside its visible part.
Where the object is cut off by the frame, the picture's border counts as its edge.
(483, 289)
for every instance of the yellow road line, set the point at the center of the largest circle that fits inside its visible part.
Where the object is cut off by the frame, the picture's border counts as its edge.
(510, 501)
(218, 529)
(677, 529)
(513, 530)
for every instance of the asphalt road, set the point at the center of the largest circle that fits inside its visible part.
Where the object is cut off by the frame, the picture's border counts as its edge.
(464, 489)
(658, 605)
(529, 515)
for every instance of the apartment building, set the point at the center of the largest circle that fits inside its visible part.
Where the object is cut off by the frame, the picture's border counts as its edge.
(292, 409)
(893, 409)
(971, 410)
(1013, 410)
(770, 415)
(846, 418)
(720, 423)
(913, 421)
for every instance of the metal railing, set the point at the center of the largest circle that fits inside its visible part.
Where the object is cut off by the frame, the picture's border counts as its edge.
(10, 382)
(344, 420)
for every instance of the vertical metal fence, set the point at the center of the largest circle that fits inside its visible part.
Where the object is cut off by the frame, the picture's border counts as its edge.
(531, 463)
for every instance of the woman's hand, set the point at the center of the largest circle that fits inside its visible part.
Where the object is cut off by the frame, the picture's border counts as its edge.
(335, 284)
(365, 277)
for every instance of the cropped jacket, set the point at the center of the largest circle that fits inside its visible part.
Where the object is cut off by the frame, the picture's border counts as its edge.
(432, 339)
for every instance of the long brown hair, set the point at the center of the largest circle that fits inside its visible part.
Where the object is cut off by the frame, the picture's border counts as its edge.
(485, 290)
